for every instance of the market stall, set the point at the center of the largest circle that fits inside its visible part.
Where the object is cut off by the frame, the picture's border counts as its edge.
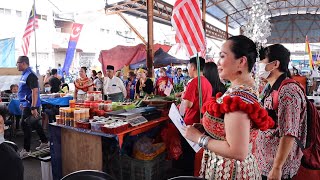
(95, 139)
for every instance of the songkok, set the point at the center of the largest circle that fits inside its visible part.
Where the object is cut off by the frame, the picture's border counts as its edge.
(109, 67)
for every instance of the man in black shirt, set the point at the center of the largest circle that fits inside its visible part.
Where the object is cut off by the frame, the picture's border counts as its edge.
(54, 81)
(11, 167)
(29, 98)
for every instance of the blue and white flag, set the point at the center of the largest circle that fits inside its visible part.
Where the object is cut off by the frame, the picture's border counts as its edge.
(7, 52)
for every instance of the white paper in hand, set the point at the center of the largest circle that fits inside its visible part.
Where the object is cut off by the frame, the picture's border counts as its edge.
(179, 123)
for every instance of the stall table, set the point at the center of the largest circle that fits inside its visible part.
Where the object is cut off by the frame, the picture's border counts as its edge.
(14, 105)
(74, 149)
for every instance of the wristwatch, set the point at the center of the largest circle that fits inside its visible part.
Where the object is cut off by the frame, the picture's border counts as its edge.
(33, 108)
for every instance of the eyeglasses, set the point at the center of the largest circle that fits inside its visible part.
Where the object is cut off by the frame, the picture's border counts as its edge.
(18, 62)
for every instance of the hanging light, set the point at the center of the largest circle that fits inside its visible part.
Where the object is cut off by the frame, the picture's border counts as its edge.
(258, 28)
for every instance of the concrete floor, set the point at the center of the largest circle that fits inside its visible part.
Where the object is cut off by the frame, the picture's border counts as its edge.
(32, 167)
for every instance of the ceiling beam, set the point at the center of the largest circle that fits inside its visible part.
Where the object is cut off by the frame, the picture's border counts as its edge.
(277, 7)
(214, 3)
(227, 14)
(162, 12)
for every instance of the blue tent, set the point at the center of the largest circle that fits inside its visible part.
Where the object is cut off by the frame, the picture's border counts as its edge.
(161, 59)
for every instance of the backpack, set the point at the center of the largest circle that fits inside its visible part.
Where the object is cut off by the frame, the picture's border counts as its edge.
(311, 152)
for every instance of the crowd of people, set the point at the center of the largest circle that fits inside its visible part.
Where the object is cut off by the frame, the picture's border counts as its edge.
(242, 137)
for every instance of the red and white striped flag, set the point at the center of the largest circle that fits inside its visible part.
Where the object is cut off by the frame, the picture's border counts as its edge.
(186, 20)
(31, 26)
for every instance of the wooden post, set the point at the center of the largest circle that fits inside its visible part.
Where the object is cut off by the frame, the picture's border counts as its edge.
(150, 38)
(227, 26)
(204, 9)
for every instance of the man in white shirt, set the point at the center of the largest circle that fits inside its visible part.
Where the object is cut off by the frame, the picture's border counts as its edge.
(113, 87)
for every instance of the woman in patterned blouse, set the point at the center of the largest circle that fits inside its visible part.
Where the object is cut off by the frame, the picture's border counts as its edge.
(231, 121)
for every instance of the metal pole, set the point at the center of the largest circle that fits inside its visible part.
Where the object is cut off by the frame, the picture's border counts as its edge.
(35, 37)
(150, 38)
(227, 27)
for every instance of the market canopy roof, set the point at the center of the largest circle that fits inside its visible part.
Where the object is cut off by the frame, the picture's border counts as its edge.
(161, 59)
(120, 56)
(291, 20)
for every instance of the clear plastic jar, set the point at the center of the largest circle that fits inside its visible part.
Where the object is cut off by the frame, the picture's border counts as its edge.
(77, 115)
(68, 115)
(58, 119)
(90, 96)
(87, 114)
(62, 113)
(82, 115)
(97, 96)
(101, 106)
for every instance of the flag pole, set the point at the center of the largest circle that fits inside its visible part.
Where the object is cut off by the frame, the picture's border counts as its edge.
(199, 84)
(35, 37)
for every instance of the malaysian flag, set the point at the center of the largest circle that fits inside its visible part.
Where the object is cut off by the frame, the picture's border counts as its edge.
(31, 26)
(186, 20)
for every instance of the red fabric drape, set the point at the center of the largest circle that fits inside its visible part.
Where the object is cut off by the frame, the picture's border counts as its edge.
(121, 56)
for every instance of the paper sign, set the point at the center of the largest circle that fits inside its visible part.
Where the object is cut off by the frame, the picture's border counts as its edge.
(179, 123)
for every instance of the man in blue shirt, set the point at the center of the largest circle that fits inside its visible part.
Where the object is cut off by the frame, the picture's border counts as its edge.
(29, 98)
(131, 85)
(178, 78)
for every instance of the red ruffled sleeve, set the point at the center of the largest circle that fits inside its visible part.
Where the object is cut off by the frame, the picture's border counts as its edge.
(257, 114)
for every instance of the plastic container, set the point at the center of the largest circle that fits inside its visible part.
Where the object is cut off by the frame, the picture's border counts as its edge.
(97, 96)
(135, 169)
(87, 114)
(62, 115)
(114, 130)
(90, 96)
(83, 125)
(108, 106)
(72, 103)
(82, 115)
(101, 106)
(100, 113)
(77, 115)
(68, 115)
(96, 126)
(58, 119)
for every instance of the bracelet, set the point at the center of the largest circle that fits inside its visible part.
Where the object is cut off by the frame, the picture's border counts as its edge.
(205, 142)
(201, 140)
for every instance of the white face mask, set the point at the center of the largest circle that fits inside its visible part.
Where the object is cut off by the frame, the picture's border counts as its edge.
(263, 73)
(47, 89)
